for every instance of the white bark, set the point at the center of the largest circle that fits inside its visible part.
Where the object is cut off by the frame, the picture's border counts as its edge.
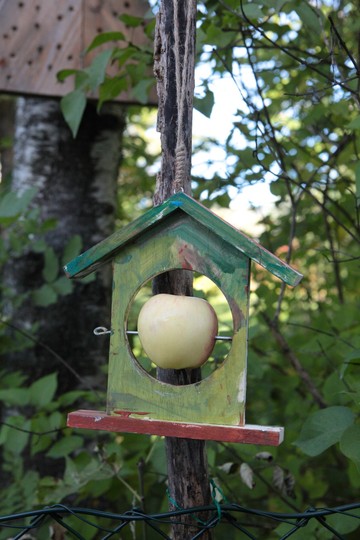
(76, 182)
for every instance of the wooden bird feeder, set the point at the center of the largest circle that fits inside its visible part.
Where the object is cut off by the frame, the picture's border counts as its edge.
(179, 234)
(39, 38)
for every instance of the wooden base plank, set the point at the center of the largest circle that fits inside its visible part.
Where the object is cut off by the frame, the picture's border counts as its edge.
(124, 422)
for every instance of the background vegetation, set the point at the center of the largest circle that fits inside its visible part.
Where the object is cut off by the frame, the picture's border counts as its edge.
(296, 66)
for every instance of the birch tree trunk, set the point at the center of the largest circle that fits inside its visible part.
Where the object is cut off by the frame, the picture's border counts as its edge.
(174, 69)
(76, 182)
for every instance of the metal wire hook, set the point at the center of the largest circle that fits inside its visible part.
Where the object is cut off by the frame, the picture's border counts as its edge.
(101, 330)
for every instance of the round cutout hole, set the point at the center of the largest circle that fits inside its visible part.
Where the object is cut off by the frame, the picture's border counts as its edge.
(204, 288)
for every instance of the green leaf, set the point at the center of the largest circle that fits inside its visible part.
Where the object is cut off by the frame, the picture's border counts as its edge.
(63, 286)
(14, 436)
(72, 249)
(51, 265)
(352, 358)
(278, 188)
(39, 246)
(354, 124)
(97, 69)
(65, 446)
(44, 296)
(69, 398)
(350, 444)
(131, 20)
(15, 396)
(82, 80)
(12, 204)
(141, 89)
(302, 533)
(105, 37)
(73, 107)
(216, 36)
(344, 523)
(65, 73)
(122, 55)
(252, 11)
(43, 424)
(324, 428)
(89, 279)
(205, 105)
(309, 17)
(111, 88)
(43, 390)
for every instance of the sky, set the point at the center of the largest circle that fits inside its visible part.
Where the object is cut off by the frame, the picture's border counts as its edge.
(227, 101)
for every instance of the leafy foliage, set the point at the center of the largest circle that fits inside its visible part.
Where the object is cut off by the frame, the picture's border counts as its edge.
(132, 61)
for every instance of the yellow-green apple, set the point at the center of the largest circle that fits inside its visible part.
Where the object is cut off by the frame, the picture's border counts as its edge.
(177, 332)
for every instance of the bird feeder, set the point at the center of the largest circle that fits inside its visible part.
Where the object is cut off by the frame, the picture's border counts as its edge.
(179, 234)
(40, 38)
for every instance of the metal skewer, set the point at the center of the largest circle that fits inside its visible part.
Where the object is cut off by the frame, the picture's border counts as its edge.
(101, 330)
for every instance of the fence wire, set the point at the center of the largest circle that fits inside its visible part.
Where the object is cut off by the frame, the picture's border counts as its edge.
(71, 519)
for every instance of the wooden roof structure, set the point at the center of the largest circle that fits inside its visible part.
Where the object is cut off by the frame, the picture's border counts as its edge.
(98, 255)
(39, 38)
(179, 234)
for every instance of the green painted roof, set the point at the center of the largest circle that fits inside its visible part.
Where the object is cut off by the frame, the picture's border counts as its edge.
(106, 250)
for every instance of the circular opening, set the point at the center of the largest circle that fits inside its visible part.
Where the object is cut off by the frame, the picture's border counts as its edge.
(203, 288)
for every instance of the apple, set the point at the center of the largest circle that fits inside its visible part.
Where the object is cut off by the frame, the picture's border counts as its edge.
(177, 332)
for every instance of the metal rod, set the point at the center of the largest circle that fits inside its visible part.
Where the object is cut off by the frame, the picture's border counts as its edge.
(101, 330)
(219, 338)
(223, 338)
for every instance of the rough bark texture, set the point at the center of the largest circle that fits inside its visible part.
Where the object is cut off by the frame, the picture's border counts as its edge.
(76, 181)
(7, 116)
(174, 69)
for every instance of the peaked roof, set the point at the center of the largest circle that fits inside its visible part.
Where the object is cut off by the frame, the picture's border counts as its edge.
(104, 251)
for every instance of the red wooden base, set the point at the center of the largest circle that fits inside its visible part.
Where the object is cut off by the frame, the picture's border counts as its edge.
(123, 422)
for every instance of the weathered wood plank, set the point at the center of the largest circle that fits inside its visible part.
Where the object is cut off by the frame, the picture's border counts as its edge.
(181, 203)
(125, 423)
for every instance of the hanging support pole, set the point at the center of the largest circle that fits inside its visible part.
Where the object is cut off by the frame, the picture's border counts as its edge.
(174, 66)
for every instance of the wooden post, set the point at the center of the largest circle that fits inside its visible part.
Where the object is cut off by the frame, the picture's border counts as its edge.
(188, 480)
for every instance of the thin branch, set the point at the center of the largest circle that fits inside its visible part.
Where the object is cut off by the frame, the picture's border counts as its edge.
(334, 367)
(343, 45)
(286, 51)
(52, 353)
(317, 91)
(37, 433)
(339, 261)
(324, 332)
(295, 362)
(338, 282)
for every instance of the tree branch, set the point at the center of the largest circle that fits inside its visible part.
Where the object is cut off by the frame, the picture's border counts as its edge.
(52, 353)
(294, 361)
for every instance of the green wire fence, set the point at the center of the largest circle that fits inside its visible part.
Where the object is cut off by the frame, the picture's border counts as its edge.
(107, 525)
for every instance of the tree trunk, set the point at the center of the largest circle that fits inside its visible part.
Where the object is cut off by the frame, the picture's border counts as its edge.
(7, 121)
(76, 182)
(174, 69)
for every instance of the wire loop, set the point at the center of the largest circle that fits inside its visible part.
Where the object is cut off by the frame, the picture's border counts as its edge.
(101, 330)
